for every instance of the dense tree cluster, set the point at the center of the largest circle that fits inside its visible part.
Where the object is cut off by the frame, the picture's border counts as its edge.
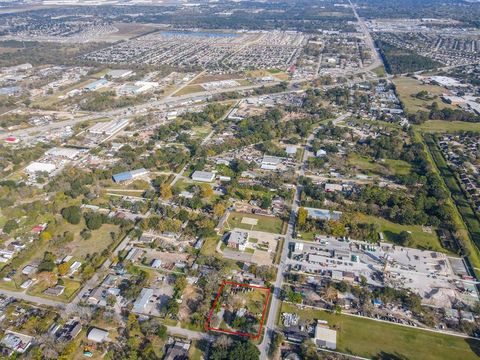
(401, 61)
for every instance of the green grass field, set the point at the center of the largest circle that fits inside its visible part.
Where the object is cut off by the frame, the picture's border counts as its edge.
(448, 126)
(71, 288)
(379, 71)
(98, 242)
(385, 167)
(378, 340)
(189, 89)
(265, 223)
(391, 231)
(407, 88)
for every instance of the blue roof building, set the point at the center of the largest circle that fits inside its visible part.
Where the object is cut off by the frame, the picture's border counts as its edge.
(123, 176)
(95, 85)
(129, 175)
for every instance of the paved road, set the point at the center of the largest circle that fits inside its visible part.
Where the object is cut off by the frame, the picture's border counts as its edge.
(276, 301)
(34, 299)
(368, 38)
(275, 304)
(189, 334)
(173, 102)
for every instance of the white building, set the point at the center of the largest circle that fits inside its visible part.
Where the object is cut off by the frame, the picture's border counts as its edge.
(119, 73)
(203, 176)
(67, 153)
(97, 335)
(74, 268)
(40, 167)
(333, 187)
(16, 342)
(238, 240)
(325, 337)
(108, 127)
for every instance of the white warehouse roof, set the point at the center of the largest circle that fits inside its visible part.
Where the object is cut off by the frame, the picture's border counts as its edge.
(38, 166)
(69, 153)
(97, 335)
(204, 176)
(109, 127)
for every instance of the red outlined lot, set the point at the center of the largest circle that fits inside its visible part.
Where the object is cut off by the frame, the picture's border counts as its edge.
(217, 298)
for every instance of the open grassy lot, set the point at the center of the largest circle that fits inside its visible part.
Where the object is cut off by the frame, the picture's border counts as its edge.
(98, 242)
(264, 223)
(407, 88)
(71, 288)
(448, 126)
(276, 73)
(80, 247)
(128, 31)
(379, 71)
(373, 167)
(391, 231)
(189, 89)
(214, 77)
(209, 246)
(307, 236)
(378, 340)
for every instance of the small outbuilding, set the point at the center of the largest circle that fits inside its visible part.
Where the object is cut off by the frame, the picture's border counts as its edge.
(97, 335)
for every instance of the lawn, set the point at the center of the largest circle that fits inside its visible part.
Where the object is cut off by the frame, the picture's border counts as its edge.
(71, 288)
(398, 167)
(209, 246)
(214, 77)
(407, 88)
(391, 231)
(307, 236)
(265, 223)
(379, 71)
(383, 167)
(374, 339)
(189, 89)
(80, 247)
(98, 242)
(278, 251)
(448, 126)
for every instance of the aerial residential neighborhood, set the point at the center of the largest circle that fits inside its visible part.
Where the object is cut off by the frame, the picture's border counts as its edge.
(240, 180)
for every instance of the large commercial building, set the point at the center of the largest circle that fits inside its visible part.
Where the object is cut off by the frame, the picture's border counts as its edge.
(130, 175)
(271, 162)
(40, 167)
(95, 85)
(67, 153)
(119, 73)
(108, 127)
(203, 176)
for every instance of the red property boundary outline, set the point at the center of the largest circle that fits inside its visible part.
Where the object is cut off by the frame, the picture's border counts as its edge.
(253, 336)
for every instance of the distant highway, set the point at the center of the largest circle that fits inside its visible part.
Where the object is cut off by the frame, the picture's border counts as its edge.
(135, 110)
(368, 38)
